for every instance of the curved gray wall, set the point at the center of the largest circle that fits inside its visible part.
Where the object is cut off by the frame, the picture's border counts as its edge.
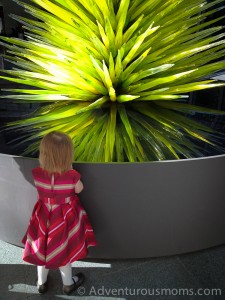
(137, 209)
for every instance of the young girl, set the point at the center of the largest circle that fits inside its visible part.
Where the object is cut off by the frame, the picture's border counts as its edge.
(59, 231)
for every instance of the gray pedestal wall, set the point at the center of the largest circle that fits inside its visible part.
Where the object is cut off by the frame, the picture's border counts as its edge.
(137, 209)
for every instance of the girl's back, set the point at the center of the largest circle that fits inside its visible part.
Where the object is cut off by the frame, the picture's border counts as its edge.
(64, 184)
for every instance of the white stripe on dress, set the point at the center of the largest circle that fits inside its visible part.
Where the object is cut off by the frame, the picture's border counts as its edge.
(56, 187)
(34, 247)
(70, 234)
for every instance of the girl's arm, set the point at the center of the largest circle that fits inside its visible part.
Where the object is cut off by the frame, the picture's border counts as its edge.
(79, 187)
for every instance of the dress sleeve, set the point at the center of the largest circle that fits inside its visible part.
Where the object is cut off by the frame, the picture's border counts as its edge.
(76, 176)
(35, 172)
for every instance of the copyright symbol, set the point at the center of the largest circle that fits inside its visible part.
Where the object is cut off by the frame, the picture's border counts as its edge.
(81, 290)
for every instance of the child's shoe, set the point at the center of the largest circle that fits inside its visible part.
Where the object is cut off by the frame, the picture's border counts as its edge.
(42, 288)
(68, 289)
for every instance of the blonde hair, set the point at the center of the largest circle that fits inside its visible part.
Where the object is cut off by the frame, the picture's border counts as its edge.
(56, 152)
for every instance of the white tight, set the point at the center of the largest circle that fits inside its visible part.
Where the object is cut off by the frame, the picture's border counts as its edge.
(66, 274)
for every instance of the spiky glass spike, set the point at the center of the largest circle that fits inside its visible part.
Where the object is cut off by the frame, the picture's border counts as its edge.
(113, 74)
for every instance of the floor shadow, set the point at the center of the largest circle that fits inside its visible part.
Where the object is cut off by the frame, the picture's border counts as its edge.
(176, 277)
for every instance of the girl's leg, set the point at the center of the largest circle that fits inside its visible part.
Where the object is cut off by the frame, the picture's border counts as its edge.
(70, 283)
(42, 274)
(66, 274)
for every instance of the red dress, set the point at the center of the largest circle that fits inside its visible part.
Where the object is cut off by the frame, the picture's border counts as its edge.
(59, 231)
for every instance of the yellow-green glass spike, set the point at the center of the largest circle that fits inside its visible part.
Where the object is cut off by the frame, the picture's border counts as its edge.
(137, 44)
(110, 134)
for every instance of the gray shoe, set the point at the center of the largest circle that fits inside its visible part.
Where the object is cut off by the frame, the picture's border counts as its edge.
(68, 289)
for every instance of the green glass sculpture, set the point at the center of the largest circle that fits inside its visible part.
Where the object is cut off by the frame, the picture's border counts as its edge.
(114, 75)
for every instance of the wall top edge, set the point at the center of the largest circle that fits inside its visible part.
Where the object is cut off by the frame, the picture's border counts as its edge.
(222, 156)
